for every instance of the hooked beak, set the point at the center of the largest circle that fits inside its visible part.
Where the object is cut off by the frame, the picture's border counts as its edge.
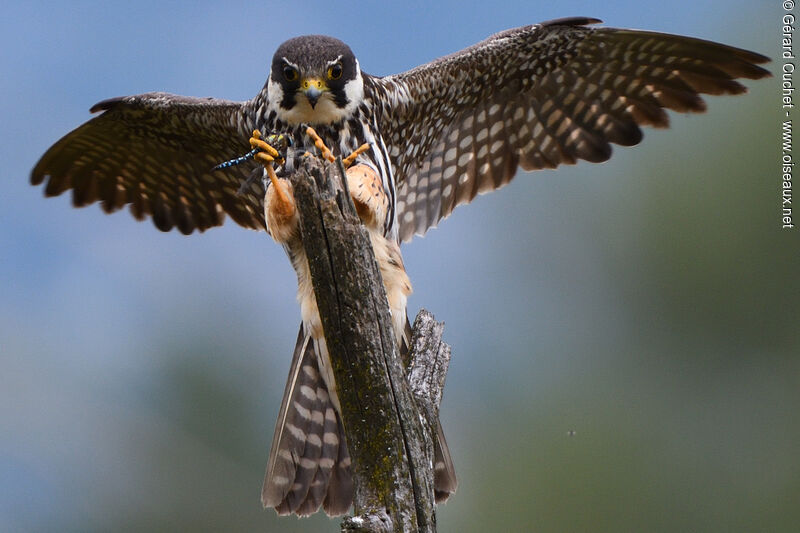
(313, 89)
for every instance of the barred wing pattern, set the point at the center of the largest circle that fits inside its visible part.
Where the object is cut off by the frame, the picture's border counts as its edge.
(155, 152)
(536, 97)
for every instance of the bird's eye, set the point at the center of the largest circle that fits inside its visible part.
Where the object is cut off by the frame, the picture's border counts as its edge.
(335, 71)
(290, 73)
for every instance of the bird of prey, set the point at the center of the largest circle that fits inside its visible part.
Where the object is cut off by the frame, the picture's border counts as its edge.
(532, 97)
(309, 463)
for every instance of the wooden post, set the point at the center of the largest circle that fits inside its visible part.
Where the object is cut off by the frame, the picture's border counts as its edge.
(389, 444)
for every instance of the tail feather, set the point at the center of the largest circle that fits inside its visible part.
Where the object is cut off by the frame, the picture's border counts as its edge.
(319, 486)
(309, 464)
(340, 489)
(310, 460)
(288, 442)
(444, 472)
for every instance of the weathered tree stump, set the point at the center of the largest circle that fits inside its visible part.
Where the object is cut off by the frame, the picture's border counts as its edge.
(388, 421)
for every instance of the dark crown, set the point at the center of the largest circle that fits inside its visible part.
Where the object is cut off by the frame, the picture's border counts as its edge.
(312, 53)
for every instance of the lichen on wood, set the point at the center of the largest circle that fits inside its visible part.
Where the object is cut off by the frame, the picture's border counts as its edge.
(388, 430)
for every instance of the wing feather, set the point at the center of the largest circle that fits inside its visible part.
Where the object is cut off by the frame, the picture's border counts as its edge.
(538, 97)
(155, 152)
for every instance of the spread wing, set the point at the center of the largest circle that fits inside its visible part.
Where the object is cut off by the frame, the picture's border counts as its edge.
(537, 97)
(156, 152)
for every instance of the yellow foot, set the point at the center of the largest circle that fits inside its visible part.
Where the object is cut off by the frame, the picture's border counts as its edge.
(279, 207)
(347, 161)
(268, 154)
(326, 152)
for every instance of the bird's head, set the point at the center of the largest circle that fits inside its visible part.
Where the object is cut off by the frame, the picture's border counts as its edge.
(314, 80)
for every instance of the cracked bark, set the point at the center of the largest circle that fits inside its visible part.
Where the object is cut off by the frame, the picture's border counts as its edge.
(388, 423)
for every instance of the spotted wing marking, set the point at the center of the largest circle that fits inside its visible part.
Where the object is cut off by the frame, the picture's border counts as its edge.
(537, 97)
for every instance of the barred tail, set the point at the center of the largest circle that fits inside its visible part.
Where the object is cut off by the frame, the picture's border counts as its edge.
(309, 464)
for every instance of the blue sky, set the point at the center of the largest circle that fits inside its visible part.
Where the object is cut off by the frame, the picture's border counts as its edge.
(89, 301)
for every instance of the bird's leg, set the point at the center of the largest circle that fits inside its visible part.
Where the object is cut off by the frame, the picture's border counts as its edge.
(326, 152)
(347, 161)
(267, 156)
(261, 151)
(280, 211)
(366, 188)
(328, 155)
